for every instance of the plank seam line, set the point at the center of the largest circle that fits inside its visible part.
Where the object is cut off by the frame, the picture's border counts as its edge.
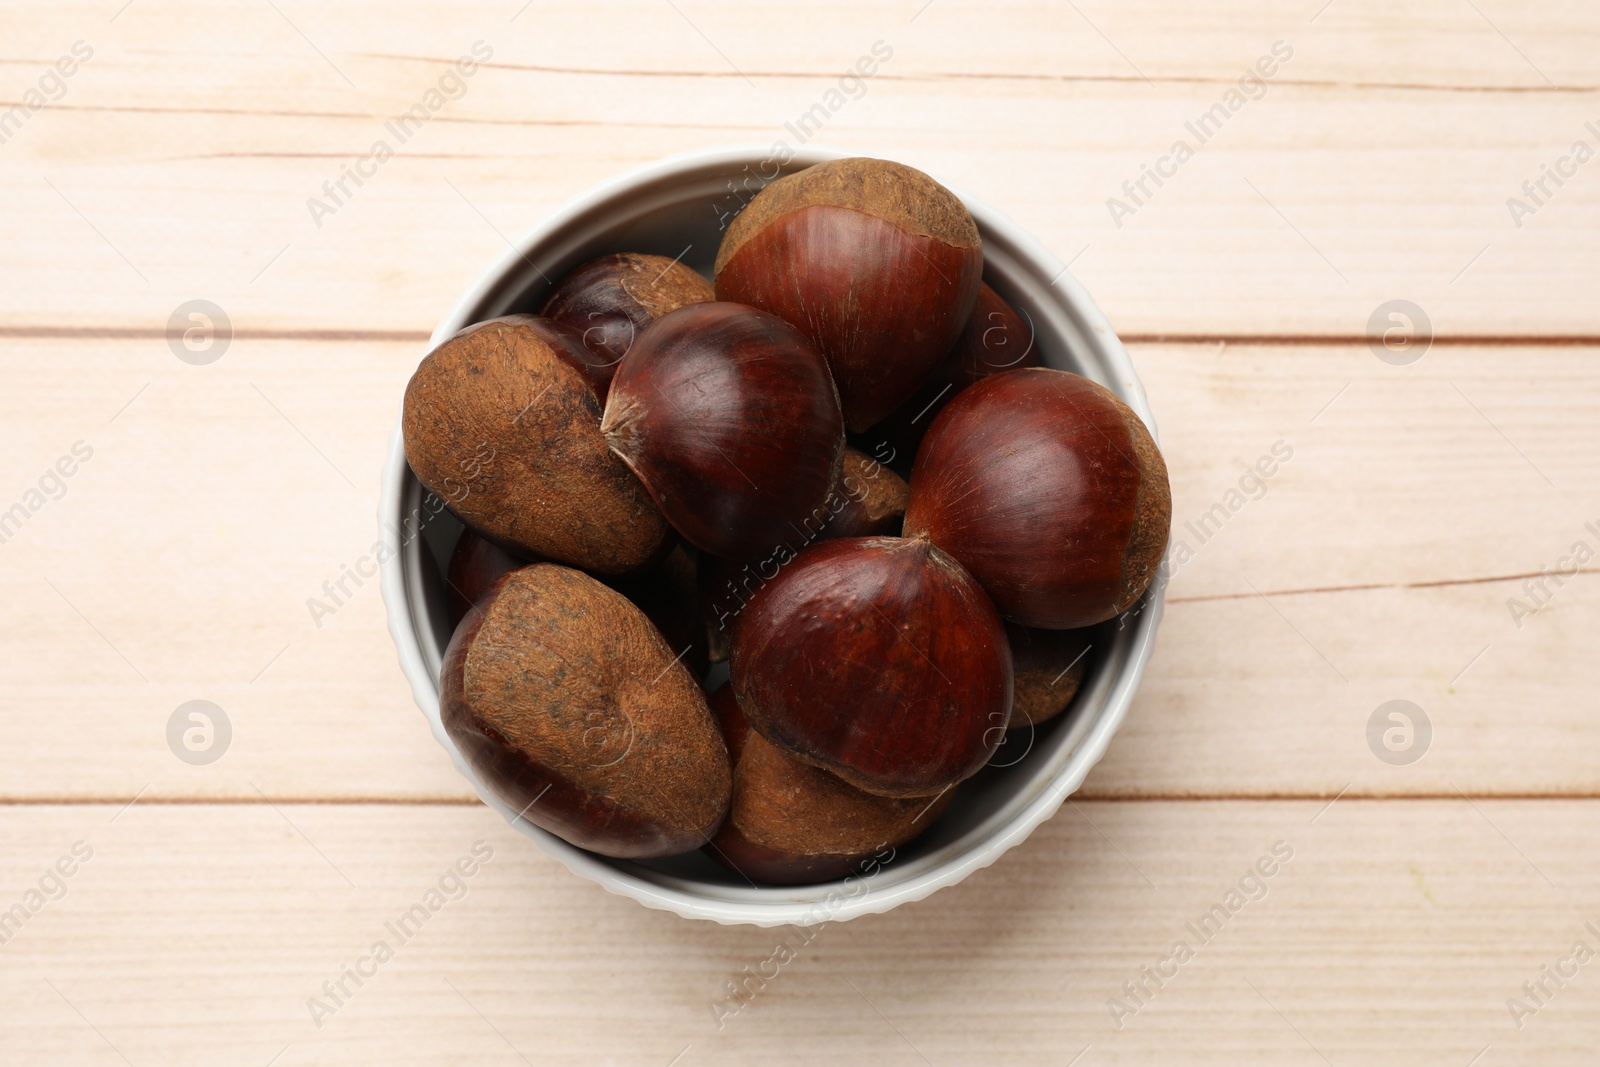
(142, 333)
(984, 75)
(155, 333)
(1486, 340)
(1438, 584)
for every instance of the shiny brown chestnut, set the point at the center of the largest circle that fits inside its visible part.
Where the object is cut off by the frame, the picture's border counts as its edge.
(792, 824)
(730, 419)
(500, 425)
(878, 659)
(567, 703)
(1050, 490)
(1048, 667)
(610, 299)
(874, 261)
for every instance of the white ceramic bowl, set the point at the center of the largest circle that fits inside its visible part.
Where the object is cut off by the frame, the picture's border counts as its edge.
(678, 207)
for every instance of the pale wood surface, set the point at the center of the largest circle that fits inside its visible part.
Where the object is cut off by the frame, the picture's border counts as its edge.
(197, 934)
(1377, 565)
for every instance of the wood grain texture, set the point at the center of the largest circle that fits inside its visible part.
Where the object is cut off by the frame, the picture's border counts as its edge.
(1408, 510)
(1377, 562)
(1436, 114)
(198, 934)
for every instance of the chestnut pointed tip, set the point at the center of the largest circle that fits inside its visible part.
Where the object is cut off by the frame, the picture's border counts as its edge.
(618, 424)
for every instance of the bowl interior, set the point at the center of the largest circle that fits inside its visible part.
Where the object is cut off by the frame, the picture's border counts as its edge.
(679, 208)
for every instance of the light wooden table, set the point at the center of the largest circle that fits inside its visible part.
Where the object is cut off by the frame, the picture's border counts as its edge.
(1384, 561)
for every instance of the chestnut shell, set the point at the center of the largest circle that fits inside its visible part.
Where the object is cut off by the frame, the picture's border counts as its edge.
(878, 659)
(565, 700)
(791, 823)
(1050, 490)
(869, 501)
(500, 425)
(730, 419)
(874, 261)
(1048, 666)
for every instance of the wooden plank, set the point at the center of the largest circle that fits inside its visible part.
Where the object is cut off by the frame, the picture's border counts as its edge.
(227, 145)
(1396, 931)
(1507, 46)
(179, 563)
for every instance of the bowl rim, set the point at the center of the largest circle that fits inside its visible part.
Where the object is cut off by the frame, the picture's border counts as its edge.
(771, 906)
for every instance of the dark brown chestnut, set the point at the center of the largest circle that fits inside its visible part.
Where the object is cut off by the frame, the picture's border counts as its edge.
(500, 425)
(1050, 490)
(567, 703)
(874, 261)
(1049, 666)
(610, 299)
(730, 419)
(475, 564)
(878, 659)
(791, 823)
(996, 338)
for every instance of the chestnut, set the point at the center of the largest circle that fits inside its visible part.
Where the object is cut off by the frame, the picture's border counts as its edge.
(1050, 490)
(610, 299)
(566, 343)
(996, 338)
(791, 823)
(874, 261)
(567, 703)
(1048, 667)
(474, 565)
(730, 419)
(500, 425)
(878, 659)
